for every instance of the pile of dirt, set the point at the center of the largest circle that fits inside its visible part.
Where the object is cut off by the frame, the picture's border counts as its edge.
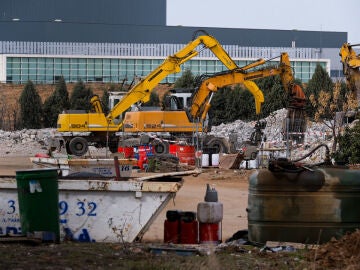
(338, 253)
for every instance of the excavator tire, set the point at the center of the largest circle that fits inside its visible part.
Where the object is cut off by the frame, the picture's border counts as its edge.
(218, 145)
(161, 147)
(78, 146)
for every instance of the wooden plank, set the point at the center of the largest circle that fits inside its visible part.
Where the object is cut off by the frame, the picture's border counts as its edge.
(231, 161)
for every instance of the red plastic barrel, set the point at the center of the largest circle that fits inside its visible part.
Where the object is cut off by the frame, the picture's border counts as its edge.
(209, 233)
(173, 149)
(128, 151)
(171, 231)
(143, 152)
(189, 232)
(186, 154)
(142, 161)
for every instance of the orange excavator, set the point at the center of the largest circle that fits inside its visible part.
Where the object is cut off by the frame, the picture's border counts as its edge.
(80, 128)
(183, 123)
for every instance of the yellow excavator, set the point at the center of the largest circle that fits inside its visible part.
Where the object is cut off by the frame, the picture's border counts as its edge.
(351, 65)
(78, 129)
(183, 123)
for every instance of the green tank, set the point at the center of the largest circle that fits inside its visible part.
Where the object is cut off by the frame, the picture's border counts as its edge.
(304, 206)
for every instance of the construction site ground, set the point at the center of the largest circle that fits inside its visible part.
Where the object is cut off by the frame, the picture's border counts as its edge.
(232, 187)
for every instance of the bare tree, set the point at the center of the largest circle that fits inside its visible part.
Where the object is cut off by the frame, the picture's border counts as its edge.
(331, 106)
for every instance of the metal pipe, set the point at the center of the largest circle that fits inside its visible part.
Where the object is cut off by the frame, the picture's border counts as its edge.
(117, 170)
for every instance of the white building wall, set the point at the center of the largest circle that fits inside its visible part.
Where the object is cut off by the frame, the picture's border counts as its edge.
(142, 50)
(2, 68)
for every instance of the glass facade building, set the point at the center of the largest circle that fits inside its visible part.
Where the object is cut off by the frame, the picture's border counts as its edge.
(46, 62)
(49, 69)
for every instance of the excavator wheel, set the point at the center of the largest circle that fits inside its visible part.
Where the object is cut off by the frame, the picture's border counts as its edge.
(78, 146)
(161, 147)
(218, 145)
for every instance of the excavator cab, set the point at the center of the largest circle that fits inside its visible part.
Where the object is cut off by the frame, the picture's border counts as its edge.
(184, 96)
(172, 103)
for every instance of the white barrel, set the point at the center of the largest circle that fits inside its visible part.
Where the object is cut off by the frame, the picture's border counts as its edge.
(253, 164)
(205, 160)
(210, 212)
(215, 160)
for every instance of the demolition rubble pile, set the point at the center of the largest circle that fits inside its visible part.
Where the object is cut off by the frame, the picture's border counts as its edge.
(316, 134)
(28, 142)
(273, 131)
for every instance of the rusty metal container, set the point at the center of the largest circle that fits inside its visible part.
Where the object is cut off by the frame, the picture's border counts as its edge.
(101, 166)
(93, 210)
(304, 207)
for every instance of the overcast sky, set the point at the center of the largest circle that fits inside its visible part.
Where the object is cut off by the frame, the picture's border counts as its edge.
(312, 15)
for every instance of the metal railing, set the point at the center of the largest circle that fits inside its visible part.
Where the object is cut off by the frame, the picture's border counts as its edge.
(145, 50)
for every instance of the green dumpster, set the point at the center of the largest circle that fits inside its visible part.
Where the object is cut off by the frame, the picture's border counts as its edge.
(38, 198)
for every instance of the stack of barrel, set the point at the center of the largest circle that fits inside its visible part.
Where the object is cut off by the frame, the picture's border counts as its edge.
(181, 227)
(210, 215)
(184, 228)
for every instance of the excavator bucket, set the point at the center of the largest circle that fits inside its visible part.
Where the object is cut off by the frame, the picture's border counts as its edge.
(231, 161)
(257, 93)
(297, 97)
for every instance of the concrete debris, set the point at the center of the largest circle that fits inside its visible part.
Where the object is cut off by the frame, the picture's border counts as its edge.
(32, 141)
(316, 134)
(25, 142)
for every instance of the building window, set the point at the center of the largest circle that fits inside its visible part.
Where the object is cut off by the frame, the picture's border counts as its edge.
(48, 69)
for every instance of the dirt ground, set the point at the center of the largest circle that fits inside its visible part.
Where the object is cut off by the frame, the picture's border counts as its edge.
(232, 188)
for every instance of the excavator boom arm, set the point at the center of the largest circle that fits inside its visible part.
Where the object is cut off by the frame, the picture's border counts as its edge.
(201, 100)
(348, 56)
(351, 65)
(142, 90)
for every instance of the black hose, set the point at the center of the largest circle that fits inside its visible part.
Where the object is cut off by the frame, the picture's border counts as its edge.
(327, 159)
(290, 167)
(297, 170)
(199, 31)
